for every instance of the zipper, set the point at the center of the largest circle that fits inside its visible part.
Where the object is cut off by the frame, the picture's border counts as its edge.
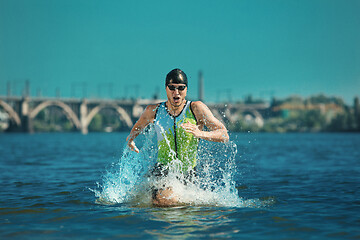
(175, 140)
(176, 148)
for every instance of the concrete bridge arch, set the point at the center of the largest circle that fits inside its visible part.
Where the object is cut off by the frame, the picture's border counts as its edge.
(69, 113)
(124, 116)
(12, 114)
(233, 114)
(258, 118)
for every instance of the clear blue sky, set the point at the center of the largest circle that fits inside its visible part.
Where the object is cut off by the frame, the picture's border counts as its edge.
(257, 47)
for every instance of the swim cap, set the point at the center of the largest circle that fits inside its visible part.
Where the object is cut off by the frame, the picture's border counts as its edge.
(176, 76)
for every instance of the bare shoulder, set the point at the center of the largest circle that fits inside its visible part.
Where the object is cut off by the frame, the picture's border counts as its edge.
(152, 107)
(149, 114)
(205, 116)
(150, 111)
(199, 107)
(201, 111)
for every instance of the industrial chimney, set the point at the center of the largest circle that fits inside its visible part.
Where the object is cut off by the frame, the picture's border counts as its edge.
(201, 86)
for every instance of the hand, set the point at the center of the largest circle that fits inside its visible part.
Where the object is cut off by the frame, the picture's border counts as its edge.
(131, 145)
(192, 128)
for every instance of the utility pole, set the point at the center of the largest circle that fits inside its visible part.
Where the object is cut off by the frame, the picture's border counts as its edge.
(72, 90)
(229, 95)
(111, 87)
(8, 87)
(84, 85)
(157, 93)
(38, 92)
(27, 88)
(136, 89)
(99, 90)
(58, 92)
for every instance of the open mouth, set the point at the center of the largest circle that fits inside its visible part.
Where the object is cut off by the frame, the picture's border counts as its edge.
(176, 99)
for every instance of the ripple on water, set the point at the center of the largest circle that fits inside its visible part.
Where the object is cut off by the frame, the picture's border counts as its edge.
(30, 233)
(313, 197)
(58, 219)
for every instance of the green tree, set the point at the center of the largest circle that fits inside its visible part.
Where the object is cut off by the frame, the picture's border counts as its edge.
(343, 122)
(96, 124)
(338, 123)
(314, 120)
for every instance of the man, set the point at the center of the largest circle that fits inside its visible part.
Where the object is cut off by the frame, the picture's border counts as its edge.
(179, 125)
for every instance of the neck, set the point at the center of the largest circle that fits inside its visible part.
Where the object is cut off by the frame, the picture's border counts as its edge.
(175, 110)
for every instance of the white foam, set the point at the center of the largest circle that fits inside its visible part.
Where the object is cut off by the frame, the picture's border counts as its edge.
(128, 181)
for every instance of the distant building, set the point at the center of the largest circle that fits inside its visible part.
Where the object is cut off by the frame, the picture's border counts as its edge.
(286, 110)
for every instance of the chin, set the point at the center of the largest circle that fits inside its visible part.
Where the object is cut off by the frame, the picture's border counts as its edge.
(177, 104)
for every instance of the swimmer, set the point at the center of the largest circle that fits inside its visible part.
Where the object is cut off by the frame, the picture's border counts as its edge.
(179, 125)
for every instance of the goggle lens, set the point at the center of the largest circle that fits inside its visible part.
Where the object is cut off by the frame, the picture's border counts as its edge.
(180, 88)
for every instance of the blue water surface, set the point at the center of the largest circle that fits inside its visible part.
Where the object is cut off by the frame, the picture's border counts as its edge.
(309, 182)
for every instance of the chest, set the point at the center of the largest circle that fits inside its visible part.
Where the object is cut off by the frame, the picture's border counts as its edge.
(166, 123)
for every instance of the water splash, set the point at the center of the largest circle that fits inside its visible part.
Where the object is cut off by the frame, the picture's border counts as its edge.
(121, 180)
(129, 181)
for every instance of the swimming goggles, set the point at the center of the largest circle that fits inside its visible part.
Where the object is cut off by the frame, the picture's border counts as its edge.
(180, 88)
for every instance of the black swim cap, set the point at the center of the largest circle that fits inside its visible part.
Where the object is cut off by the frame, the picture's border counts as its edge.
(176, 76)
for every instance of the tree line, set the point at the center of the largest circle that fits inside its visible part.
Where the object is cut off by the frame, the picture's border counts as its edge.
(314, 114)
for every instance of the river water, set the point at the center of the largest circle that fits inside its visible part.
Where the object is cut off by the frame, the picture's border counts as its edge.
(280, 186)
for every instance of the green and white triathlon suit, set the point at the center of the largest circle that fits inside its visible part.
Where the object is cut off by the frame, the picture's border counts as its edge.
(173, 141)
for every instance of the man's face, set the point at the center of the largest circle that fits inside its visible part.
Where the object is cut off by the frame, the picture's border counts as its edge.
(176, 93)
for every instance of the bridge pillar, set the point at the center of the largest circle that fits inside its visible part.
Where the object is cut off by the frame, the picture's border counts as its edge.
(26, 121)
(83, 116)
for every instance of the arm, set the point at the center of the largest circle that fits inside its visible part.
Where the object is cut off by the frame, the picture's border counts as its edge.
(217, 133)
(146, 117)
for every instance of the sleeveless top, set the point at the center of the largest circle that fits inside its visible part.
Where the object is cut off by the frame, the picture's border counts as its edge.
(173, 141)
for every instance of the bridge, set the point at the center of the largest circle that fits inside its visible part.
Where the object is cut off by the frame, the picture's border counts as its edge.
(80, 112)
